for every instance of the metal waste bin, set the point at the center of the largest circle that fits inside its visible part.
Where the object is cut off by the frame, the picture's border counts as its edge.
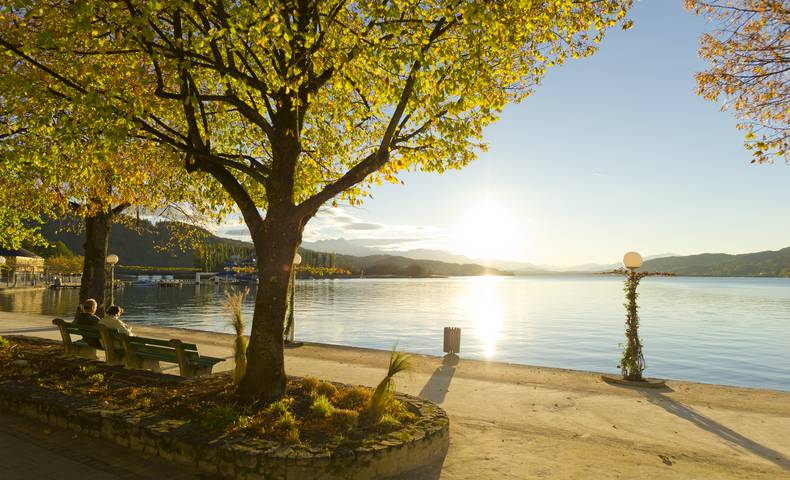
(452, 340)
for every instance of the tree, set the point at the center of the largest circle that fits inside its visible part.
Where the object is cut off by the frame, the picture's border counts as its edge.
(59, 157)
(749, 55)
(291, 104)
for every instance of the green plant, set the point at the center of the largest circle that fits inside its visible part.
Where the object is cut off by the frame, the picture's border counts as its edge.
(632, 362)
(309, 384)
(388, 422)
(234, 300)
(326, 389)
(219, 416)
(353, 398)
(343, 419)
(4, 343)
(97, 378)
(321, 407)
(383, 394)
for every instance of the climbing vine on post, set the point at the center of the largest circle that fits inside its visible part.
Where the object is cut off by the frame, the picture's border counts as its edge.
(632, 363)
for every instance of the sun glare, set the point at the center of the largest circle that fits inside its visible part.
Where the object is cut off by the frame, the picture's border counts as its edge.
(488, 231)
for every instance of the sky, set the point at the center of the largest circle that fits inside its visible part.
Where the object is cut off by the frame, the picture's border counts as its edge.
(611, 153)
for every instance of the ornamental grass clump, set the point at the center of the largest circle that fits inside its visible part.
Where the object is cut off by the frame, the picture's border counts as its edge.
(217, 417)
(234, 300)
(321, 407)
(383, 396)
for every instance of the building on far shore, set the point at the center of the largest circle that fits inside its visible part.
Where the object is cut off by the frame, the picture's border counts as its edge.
(21, 267)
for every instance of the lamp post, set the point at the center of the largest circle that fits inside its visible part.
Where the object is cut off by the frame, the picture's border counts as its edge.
(633, 362)
(111, 260)
(2, 264)
(289, 324)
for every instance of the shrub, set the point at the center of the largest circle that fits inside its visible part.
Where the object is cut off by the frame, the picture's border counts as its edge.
(292, 436)
(354, 398)
(321, 407)
(309, 384)
(4, 343)
(343, 419)
(234, 300)
(326, 389)
(219, 416)
(279, 408)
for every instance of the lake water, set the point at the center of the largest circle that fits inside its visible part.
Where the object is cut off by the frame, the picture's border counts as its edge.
(732, 331)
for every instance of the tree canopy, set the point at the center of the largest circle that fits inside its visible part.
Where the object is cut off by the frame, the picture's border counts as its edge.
(749, 56)
(288, 104)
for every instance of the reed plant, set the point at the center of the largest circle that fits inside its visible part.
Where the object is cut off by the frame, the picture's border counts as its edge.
(383, 395)
(234, 300)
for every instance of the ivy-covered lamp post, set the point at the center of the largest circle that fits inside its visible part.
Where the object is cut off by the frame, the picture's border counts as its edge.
(632, 363)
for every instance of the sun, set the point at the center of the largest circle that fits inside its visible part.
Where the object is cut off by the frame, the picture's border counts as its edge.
(487, 231)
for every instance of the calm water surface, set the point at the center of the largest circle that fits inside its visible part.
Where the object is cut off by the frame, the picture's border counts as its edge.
(719, 330)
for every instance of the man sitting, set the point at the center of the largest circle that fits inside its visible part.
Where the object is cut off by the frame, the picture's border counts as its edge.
(87, 316)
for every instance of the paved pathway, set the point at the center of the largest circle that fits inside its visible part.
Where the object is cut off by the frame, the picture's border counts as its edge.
(513, 421)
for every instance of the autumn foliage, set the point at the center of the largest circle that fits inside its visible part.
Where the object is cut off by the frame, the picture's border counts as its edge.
(749, 57)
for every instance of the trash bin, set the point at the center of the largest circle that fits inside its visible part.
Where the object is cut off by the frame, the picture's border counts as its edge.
(452, 340)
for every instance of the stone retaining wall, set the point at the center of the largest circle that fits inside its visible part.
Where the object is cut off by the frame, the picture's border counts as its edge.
(417, 455)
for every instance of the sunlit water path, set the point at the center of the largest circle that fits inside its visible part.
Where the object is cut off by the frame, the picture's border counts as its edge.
(719, 330)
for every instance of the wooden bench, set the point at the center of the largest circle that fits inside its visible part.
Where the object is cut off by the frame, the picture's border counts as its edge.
(107, 337)
(141, 351)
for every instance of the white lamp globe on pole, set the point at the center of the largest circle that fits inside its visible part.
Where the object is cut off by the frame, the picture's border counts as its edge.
(632, 260)
(297, 259)
(111, 260)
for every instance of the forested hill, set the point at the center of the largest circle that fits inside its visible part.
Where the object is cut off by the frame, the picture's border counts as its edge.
(175, 245)
(163, 244)
(759, 264)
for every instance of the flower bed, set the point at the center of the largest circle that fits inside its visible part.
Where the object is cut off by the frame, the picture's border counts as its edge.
(318, 430)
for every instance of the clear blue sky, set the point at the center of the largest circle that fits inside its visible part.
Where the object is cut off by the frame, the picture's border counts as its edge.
(611, 153)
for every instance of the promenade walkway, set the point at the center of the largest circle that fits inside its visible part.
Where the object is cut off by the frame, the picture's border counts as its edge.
(513, 421)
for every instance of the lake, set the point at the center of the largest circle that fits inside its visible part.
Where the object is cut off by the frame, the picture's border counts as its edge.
(733, 331)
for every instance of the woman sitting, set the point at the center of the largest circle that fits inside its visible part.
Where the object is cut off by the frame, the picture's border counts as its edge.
(113, 320)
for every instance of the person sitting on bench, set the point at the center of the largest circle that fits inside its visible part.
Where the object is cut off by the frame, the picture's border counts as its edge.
(87, 316)
(113, 320)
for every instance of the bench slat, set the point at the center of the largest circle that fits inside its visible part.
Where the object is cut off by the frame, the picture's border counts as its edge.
(161, 343)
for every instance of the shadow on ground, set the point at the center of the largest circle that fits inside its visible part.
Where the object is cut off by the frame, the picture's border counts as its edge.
(687, 413)
(437, 386)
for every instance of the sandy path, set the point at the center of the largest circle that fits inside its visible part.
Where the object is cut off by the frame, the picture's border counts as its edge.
(513, 421)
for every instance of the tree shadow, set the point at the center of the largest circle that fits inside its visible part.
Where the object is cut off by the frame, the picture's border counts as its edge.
(676, 408)
(437, 386)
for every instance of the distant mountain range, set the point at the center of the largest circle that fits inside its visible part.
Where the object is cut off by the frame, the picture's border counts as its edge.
(151, 245)
(358, 248)
(142, 243)
(770, 263)
(767, 263)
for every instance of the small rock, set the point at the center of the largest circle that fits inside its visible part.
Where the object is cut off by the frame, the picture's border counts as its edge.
(20, 363)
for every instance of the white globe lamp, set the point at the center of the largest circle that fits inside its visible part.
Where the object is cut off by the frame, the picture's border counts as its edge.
(632, 260)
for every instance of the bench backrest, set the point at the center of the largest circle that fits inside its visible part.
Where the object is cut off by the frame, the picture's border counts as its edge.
(107, 336)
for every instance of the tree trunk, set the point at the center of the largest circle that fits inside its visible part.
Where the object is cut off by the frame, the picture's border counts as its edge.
(275, 248)
(94, 275)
